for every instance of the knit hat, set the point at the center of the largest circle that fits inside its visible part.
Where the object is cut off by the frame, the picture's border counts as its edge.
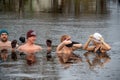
(3, 31)
(97, 36)
(30, 33)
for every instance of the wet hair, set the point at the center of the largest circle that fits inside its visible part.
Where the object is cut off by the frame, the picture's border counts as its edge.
(73, 42)
(64, 37)
(48, 42)
(22, 39)
(13, 43)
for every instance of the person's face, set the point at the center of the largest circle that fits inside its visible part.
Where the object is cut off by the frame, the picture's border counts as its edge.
(96, 41)
(32, 39)
(4, 37)
(48, 43)
(68, 38)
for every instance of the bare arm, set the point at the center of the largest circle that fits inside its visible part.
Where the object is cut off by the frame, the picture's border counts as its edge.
(86, 45)
(61, 45)
(76, 46)
(19, 48)
(104, 45)
(39, 48)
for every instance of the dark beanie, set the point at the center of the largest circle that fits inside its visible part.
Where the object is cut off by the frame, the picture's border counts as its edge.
(30, 33)
(3, 31)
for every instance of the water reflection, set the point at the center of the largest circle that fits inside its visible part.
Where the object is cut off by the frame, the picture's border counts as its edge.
(19, 69)
(51, 27)
(4, 54)
(96, 61)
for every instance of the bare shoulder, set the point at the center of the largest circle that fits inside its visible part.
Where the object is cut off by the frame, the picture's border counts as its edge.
(76, 46)
(21, 47)
(38, 47)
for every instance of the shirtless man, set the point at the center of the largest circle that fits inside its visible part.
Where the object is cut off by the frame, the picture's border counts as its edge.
(66, 48)
(98, 45)
(29, 48)
(5, 44)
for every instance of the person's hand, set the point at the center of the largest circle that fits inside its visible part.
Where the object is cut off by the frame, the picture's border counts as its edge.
(13, 43)
(67, 42)
(102, 39)
(90, 37)
(22, 39)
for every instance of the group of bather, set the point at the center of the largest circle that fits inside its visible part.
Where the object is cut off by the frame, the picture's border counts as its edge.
(64, 50)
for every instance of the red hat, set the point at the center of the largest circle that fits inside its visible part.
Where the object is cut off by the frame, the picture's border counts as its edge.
(30, 33)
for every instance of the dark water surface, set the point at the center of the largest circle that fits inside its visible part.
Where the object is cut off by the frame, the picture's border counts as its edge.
(52, 26)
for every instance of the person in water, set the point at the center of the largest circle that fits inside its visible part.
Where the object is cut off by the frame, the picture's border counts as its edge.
(29, 47)
(5, 44)
(49, 48)
(66, 48)
(13, 52)
(96, 44)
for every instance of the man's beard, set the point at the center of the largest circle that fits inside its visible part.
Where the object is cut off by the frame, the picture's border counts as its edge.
(4, 40)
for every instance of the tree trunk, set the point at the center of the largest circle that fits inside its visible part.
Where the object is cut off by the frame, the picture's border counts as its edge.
(77, 7)
(55, 6)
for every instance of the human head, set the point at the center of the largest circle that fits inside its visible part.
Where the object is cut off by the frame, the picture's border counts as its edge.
(31, 36)
(13, 43)
(48, 42)
(3, 35)
(65, 37)
(97, 37)
(30, 33)
(22, 39)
